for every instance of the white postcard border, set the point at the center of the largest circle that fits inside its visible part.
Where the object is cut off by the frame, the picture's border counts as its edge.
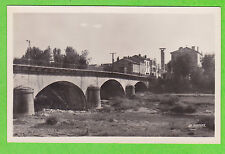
(216, 11)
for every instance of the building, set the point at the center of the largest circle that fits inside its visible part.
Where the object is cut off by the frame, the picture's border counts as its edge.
(193, 53)
(95, 67)
(137, 64)
(144, 64)
(153, 68)
(126, 65)
(107, 66)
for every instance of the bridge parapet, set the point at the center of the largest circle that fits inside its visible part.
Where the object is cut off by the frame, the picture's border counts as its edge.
(29, 69)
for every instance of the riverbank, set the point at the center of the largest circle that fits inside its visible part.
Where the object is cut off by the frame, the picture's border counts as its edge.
(143, 115)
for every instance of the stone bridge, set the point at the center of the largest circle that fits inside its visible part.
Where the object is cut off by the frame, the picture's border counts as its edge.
(45, 79)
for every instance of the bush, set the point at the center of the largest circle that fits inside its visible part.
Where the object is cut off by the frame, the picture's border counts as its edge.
(120, 103)
(51, 120)
(178, 109)
(181, 108)
(209, 122)
(171, 103)
(190, 109)
(169, 100)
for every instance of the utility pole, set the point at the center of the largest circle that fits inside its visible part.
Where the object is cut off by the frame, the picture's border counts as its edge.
(28, 41)
(112, 53)
(29, 50)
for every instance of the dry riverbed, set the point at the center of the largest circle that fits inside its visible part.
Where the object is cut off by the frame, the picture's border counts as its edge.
(144, 115)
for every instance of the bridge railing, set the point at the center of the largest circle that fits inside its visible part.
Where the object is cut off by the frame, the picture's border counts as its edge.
(29, 69)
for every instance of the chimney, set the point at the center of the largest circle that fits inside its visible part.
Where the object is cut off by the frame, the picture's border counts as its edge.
(193, 47)
(198, 49)
(162, 58)
(139, 55)
(145, 56)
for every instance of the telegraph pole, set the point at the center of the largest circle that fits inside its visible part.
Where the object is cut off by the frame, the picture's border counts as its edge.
(112, 53)
(28, 41)
(28, 48)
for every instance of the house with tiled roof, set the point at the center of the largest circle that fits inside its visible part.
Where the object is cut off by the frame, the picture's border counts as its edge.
(125, 65)
(193, 53)
(136, 64)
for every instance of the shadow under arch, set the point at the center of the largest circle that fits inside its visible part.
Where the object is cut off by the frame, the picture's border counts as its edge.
(111, 88)
(60, 95)
(140, 87)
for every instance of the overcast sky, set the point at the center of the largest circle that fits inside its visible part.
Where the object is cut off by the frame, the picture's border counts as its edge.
(125, 34)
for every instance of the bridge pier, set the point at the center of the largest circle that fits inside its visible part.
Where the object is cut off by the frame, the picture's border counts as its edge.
(23, 101)
(93, 97)
(130, 91)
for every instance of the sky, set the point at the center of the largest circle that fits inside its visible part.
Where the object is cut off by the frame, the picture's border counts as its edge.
(124, 34)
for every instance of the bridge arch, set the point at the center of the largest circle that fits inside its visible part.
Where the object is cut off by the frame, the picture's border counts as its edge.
(60, 95)
(111, 88)
(140, 87)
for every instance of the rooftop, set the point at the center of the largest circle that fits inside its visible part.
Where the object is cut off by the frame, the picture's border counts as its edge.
(181, 49)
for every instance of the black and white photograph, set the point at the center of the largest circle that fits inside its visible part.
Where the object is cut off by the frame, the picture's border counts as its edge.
(101, 74)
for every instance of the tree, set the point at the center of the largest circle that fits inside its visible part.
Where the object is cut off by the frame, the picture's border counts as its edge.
(182, 66)
(45, 56)
(198, 79)
(84, 60)
(71, 58)
(178, 76)
(208, 65)
(169, 66)
(35, 56)
(58, 57)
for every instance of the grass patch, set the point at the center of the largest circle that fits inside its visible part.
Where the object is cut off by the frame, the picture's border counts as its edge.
(52, 120)
(148, 97)
(120, 104)
(172, 104)
(181, 108)
(106, 109)
(169, 100)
